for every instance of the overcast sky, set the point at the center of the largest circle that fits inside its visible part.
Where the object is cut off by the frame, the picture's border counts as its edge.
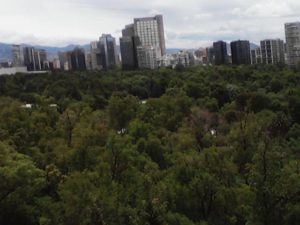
(188, 23)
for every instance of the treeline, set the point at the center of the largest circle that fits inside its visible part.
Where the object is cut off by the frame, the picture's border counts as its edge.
(201, 146)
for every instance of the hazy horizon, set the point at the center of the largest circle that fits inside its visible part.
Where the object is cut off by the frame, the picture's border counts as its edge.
(188, 24)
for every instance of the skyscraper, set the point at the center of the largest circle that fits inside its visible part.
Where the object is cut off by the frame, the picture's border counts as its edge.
(29, 60)
(272, 51)
(150, 31)
(220, 52)
(40, 58)
(128, 47)
(143, 43)
(18, 55)
(240, 52)
(34, 59)
(78, 59)
(109, 51)
(292, 34)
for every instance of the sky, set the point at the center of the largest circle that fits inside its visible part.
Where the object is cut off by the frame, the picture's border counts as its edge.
(188, 23)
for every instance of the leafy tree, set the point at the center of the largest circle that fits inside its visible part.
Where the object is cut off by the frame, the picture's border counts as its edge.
(122, 109)
(20, 183)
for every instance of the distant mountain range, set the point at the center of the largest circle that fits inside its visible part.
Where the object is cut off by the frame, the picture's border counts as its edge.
(254, 46)
(6, 54)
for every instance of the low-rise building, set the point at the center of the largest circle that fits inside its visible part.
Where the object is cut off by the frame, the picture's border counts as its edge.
(13, 70)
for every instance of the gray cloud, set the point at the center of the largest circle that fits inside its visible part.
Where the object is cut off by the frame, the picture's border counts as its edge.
(188, 23)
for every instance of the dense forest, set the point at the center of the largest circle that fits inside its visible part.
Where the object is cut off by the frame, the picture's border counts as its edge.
(197, 146)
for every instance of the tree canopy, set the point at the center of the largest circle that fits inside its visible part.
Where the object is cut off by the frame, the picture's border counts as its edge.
(198, 146)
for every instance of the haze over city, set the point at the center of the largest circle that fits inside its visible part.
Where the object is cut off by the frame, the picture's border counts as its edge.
(188, 24)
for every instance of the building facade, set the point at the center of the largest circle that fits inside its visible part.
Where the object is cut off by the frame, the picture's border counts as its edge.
(272, 51)
(148, 57)
(13, 70)
(220, 53)
(17, 56)
(56, 64)
(29, 60)
(240, 52)
(72, 60)
(150, 31)
(35, 59)
(256, 56)
(142, 43)
(128, 47)
(108, 50)
(78, 59)
(210, 55)
(183, 58)
(40, 57)
(65, 60)
(96, 57)
(292, 34)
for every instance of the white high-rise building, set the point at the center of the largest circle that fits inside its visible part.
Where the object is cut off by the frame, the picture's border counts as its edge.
(292, 34)
(150, 41)
(272, 51)
(18, 55)
(150, 31)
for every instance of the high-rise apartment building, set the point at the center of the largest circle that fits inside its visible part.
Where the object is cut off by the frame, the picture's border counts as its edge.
(256, 56)
(108, 50)
(150, 31)
(17, 56)
(272, 51)
(240, 52)
(96, 56)
(220, 53)
(292, 34)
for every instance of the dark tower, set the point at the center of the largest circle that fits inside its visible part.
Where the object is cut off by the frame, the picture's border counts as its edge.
(240, 52)
(220, 52)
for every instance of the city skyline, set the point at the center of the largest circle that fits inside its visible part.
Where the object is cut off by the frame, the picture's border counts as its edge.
(188, 24)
